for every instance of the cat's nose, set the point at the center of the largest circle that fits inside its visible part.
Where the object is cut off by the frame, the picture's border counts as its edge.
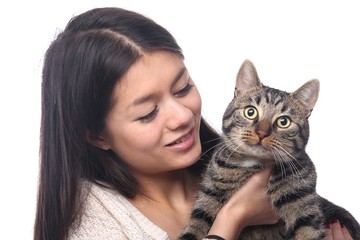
(263, 129)
(262, 134)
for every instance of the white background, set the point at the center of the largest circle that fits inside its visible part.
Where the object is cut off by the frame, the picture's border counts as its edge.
(289, 42)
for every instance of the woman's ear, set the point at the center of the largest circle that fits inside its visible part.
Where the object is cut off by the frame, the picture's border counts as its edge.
(97, 140)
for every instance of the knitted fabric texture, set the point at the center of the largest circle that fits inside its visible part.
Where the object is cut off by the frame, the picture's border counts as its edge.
(108, 215)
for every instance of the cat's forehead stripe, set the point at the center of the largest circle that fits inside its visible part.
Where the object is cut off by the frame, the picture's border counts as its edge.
(284, 108)
(267, 96)
(258, 100)
(273, 96)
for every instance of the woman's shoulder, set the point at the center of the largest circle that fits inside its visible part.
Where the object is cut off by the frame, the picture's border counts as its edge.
(106, 214)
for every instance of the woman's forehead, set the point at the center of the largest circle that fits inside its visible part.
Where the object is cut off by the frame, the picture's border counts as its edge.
(149, 74)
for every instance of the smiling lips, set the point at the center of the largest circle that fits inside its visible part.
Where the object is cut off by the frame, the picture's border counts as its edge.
(184, 142)
(183, 139)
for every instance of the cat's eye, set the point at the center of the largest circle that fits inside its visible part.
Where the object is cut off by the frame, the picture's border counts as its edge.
(250, 112)
(283, 122)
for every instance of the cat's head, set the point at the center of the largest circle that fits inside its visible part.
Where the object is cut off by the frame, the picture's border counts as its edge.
(267, 123)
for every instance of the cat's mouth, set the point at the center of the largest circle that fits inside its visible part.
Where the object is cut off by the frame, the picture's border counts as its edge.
(260, 143)
(260, 149)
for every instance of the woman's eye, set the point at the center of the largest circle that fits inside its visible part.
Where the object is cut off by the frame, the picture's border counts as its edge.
(283, 122)
(184, 90)
(150, 116)
(250, 112)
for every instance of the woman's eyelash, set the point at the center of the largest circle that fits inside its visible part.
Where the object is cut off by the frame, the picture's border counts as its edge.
(184, 90)
(149, 116)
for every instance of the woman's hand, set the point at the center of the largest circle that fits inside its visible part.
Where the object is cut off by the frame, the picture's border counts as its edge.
(334, 231)
(250, 205)
(253, 202)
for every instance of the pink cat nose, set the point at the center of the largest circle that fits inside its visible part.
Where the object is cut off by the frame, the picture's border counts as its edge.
(262, 134)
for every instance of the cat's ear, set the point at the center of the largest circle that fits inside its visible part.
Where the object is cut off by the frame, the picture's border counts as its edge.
(308, 94)
(247, 78)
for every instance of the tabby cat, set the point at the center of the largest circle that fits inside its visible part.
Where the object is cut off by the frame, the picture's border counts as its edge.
(262, 126)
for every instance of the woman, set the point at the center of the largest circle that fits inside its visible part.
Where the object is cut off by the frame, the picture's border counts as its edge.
(123, 142)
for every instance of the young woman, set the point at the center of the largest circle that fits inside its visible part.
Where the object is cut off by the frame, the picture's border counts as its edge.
(123, 142)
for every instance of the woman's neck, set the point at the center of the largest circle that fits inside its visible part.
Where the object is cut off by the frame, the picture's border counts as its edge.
(167, 199)
(168, 188)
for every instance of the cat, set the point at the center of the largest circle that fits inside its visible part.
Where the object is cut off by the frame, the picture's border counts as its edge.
(263, 126)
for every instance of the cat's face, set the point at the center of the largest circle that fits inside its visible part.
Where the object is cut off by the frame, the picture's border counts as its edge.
(267, 123)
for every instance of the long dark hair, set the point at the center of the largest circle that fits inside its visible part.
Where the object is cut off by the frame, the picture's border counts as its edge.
(81, 67)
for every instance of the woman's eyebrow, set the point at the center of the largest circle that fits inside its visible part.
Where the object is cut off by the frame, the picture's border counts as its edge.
(152, 95)
(178, 76)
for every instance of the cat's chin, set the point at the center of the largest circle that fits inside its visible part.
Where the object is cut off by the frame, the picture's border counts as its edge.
(252, 162)
(261, 152)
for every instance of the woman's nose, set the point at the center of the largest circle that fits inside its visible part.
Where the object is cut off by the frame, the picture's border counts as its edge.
(178, 115)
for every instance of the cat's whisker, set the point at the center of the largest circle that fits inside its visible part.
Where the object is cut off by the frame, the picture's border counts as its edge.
(235, 150)
(294, 168)
(277, 144)
(288, 158)
(219, 149)
(278, 157)
(221, 145)
(213, 140)
(213, 147)
(295, 171)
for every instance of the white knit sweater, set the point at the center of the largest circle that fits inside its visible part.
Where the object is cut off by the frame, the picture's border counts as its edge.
(108, 215)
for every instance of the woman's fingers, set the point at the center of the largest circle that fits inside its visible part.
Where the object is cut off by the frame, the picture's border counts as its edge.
(261, 178)
(335, 231)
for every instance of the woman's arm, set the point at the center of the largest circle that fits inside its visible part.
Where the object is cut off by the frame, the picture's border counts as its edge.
(251, 206)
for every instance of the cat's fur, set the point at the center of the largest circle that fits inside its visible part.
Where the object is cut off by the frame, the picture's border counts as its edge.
(249, 143)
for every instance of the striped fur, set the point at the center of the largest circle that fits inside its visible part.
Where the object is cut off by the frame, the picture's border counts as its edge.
(274, 130)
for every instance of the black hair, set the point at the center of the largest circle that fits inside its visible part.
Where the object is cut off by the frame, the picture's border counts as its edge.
(81, 67)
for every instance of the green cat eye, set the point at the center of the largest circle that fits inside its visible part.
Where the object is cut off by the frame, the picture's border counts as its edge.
(250, 112)
(283, 122)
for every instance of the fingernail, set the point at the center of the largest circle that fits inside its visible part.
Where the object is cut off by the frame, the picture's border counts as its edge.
(327, 225)
(334, 220)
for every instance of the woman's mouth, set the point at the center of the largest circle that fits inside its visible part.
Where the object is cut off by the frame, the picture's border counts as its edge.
(181, 140)
(184, 142)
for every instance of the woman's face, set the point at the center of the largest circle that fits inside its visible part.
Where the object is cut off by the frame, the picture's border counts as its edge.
(154, 123)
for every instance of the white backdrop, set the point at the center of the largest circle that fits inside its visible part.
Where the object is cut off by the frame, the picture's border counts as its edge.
(290, 42)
